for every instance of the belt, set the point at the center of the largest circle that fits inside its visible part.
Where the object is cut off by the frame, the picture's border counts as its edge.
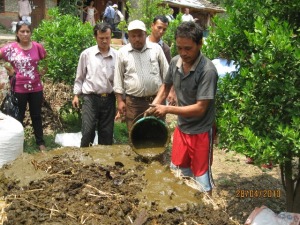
(146, 98)
(103, 95)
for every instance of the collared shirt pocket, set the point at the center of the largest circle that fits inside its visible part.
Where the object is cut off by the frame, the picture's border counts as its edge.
(154, 65)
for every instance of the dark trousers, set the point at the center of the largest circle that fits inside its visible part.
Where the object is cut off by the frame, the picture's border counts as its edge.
(135, 108)
(35, 100)
(98, 111)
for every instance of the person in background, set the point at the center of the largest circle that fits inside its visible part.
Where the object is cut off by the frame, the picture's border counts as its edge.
(159, 27)
(94, 82)
(118, 16)
(139, 71)
(90, 11)
(109, 15)
(170, 15)
(24, 56)
(194, 78)
(187, 16)
(84, 14)
(24, 10)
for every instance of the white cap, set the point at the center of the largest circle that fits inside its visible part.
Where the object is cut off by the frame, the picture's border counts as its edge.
(136, 25)
(115, 6)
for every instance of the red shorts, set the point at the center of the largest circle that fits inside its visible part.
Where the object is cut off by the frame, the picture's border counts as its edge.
(192, 151)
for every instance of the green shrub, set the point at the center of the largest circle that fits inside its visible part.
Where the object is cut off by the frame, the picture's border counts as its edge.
(169, 36)
(258, 109)
(70, 7)
(64, 37)
(70, 117)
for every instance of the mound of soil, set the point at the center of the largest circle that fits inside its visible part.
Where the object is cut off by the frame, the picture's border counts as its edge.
(74, 192)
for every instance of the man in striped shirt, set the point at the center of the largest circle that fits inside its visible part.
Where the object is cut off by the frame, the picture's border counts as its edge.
(139, 71)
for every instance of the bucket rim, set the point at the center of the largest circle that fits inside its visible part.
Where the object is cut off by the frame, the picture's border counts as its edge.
(147, 118)
(144, 119)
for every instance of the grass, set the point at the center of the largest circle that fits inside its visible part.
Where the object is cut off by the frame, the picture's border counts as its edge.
(31, 147)
(71, 118)
(73, 124)
(121, 133)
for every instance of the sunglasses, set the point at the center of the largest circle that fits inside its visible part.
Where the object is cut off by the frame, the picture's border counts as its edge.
(20, 23)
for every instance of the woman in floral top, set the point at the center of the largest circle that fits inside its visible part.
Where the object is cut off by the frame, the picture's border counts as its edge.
(24, 56)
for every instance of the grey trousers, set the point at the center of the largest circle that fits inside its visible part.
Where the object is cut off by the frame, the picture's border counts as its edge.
(98, 112)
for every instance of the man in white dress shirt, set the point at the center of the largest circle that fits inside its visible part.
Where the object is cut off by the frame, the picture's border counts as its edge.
(94, 82)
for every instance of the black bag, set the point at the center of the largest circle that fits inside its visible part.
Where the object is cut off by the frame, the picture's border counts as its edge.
(9, 104)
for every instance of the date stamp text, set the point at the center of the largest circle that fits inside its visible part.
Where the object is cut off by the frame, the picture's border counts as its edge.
(257, 193)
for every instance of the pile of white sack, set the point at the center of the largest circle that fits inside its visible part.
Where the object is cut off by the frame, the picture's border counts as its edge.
(11, 139)
(265, 216)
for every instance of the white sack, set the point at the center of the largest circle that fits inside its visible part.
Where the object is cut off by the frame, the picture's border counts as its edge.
(11, 139)
(265, 216)
(71, 139)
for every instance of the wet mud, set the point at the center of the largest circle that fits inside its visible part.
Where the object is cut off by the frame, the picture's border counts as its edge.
(100, 185)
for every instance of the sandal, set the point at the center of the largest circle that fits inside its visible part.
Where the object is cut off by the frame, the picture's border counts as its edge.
(42, 148)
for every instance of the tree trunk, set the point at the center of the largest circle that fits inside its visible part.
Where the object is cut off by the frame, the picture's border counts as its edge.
(292, 186)
(296, 205)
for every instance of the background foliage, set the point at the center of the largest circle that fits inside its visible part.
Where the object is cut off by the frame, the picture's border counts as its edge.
(70, 7)
(148, 9)
(259, 108)
(64, 36)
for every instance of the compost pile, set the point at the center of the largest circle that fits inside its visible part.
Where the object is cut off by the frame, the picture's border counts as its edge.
(77, 193)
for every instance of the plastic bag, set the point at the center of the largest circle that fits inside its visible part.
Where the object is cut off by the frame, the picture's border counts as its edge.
(71, 139)
(265, 216)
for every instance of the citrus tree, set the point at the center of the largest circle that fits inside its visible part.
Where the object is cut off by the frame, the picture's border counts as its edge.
(258, 111)
(64, 37)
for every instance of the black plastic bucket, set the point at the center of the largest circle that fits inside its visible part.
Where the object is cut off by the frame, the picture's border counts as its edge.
(149, 136)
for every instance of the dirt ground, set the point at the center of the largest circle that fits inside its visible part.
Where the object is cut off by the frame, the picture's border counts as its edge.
(62, 187)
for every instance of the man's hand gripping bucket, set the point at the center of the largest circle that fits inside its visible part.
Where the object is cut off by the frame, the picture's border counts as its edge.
(149, 137)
